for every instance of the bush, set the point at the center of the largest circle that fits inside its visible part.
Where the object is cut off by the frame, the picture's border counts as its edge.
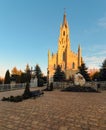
(5, 99)
(80, 89)
(18, 99)
(13, 98)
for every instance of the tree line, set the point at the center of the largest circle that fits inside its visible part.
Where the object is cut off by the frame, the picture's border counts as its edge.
(22, 77)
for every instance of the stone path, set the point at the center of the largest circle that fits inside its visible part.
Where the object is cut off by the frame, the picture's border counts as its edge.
(55, 111)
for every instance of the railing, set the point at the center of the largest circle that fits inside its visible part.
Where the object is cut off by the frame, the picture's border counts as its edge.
(9, 87)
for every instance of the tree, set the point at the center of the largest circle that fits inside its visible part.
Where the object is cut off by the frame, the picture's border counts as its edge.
(23, 78)
(39, 75)
(1, 80)
(59, 75)
(16, 75)
(15, 71)
(44, 79)
(27, 68)
(7, 77)
(103, 71)
(38, 71)
(83, 71)
(96, 76)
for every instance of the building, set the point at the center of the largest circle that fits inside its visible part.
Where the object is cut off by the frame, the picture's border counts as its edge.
(65, 57)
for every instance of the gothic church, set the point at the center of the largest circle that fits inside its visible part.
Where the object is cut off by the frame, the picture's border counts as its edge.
(65, 57)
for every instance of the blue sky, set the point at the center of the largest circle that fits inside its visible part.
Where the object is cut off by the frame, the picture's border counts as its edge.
(28, 28)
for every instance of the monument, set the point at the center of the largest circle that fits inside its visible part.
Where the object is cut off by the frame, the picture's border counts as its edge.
(79, 80)
(34, 82)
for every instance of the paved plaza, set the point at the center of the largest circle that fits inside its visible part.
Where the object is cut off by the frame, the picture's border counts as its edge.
(54, 110)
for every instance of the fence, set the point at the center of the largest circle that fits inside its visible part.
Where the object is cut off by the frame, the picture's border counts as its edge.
(57, 85)
(9, 87)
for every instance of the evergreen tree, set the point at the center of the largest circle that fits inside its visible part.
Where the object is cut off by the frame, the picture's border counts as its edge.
(44, 79)
(83, 71)
(39, 75)
(7, 77)
(59, 75)
(38, 71)
(103, 71)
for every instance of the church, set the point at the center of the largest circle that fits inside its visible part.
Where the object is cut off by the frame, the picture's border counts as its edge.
(65, 57)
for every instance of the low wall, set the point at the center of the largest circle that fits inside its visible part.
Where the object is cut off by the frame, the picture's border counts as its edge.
(61, 85)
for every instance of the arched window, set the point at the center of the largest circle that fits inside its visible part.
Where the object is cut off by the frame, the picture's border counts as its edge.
(73, 65)
(64, 33)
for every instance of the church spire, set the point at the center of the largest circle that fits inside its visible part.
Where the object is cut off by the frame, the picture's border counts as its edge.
(64, 20)
(79, 48)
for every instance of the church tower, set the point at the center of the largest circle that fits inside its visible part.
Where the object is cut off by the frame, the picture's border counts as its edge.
(63, 43)
(68, 60)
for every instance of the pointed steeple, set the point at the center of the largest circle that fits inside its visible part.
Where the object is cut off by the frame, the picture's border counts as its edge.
(79, 48)
(64, 20)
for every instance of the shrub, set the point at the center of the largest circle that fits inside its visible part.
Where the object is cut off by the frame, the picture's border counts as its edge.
(13, 98)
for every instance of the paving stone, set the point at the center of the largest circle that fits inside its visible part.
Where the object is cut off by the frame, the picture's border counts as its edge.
(55, 110)
(63, 128)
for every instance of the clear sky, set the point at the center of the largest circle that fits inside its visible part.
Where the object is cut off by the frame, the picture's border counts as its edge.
(28, 28)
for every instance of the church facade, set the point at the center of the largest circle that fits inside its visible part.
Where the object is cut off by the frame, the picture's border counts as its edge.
(65, 57)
